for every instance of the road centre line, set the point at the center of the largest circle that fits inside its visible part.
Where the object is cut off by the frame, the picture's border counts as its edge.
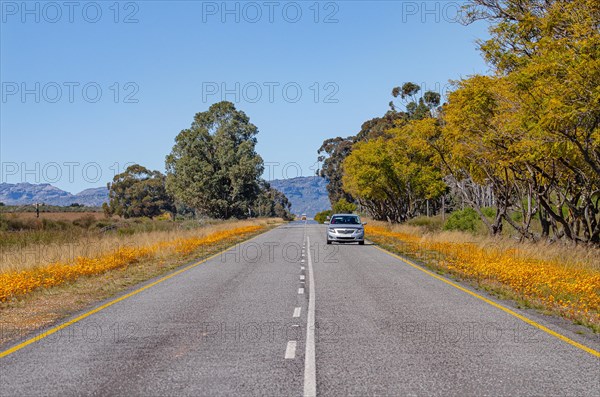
(310, 369)
(290, 351)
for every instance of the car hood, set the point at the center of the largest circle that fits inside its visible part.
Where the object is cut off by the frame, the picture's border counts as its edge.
(340, 226)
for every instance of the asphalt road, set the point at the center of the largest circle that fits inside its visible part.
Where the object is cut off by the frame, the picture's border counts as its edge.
(242, 324)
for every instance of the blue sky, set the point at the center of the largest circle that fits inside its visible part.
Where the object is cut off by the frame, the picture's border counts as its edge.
(90, 87)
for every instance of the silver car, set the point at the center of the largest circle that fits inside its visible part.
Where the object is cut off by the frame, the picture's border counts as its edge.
(345, 228)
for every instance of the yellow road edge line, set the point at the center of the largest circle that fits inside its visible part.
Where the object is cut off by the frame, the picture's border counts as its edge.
(53, 330)
(496, 305)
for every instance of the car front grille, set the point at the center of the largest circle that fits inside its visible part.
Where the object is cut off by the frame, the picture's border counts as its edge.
(347, 231)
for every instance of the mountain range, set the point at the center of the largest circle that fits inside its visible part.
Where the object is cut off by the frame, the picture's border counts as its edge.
(308, 195)
(28, 193)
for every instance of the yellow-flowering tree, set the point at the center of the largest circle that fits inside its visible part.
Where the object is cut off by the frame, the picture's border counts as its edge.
(393, 177)
(546, 55)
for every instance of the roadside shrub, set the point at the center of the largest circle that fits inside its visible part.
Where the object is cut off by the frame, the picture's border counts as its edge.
(489, 212)
(464, 220)
(14, 224)
(125, 232)
(516, 216)
(102, 224)
(48, 224)
(321, 217)
(85, 221)
(165, 216)
(344, 207)
(431, 224)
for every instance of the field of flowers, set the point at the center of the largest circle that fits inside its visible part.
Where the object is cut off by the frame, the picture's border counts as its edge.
(572, 291)
(18, 283)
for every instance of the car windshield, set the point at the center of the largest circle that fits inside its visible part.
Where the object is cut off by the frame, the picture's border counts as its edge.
(345, 220)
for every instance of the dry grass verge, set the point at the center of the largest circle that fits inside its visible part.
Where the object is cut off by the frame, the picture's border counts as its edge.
(55, 216)
(87, 280)
(70, 246)
(558, 279)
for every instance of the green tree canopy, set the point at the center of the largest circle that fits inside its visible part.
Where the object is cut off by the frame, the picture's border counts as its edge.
(344, 207)
(272, 203)
(213, 166)
(393, 170)
(138, 192)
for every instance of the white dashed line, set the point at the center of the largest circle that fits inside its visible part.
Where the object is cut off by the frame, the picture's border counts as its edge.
(301, 277)
(300, 291)
(310, 366)
(290, 351)
(297, 311)
(301, 267)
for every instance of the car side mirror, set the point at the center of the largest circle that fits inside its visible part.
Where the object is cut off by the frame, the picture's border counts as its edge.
(364, 223)
(326, 222)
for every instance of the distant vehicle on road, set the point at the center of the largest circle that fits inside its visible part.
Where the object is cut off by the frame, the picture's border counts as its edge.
(303, 217)
(345, 228)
